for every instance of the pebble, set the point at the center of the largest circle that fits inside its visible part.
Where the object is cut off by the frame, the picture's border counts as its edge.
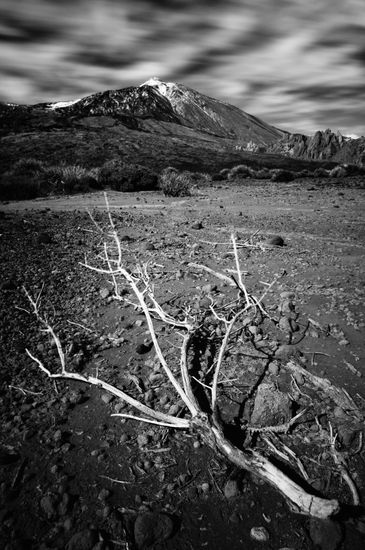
(146, 247)
(325, 534)
(104, 293)
(44, 238)
(152, 528)
(104, 494)
(205, 487)
(260, 534)
(107, 398)
(231, 489)
(142, 348)
(197, 225)
(48, 505)
(83, 540)
(276, 241)
(142, 440)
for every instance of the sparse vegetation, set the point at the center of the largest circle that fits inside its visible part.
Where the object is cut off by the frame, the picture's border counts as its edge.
(282, 175)
(176, 184)
(127, 177)
(22, 180)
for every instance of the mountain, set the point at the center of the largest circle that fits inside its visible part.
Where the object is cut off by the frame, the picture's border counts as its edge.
(156, 124)
(325, 145)
(210, 115)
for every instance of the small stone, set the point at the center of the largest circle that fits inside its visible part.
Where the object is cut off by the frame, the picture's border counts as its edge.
(142, 440)
(205, 487)
(146, 247)
(107, 398)
(44, 238)
(271, 407)
(67, 524)
(235, 517)
(287, 295)
(197, 225)
(83, 540)
(276, 241)
(173, 410)
(104, 293)
(57, 436)
(124, 438)
(48, 505)
(343, 342)
(274, 368)
(231, 489)
(299, 378)
(104, 494)
(260, 534)
(207, 289)
(325, 534)
(152, 528)
(143, 348)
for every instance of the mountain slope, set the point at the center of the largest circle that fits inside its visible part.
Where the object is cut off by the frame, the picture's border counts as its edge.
(213, 116)
(141, 102)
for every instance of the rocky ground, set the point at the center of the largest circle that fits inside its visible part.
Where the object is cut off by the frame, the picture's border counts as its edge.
(74, 477)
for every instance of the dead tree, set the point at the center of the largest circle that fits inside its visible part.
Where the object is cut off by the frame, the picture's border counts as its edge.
(206, 423)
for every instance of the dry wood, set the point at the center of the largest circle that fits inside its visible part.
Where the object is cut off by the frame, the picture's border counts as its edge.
(198, 422)
(339, 396)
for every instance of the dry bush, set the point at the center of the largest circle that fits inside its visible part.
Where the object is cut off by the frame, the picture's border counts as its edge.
(338, 172)
(175, 184)
(282, 175)
(126, 177)
(241, 170)
(320, 173)
(21, 182)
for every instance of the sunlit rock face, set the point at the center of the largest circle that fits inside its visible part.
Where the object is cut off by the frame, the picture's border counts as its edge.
(211, 115)
(142, 101)
(325, 145)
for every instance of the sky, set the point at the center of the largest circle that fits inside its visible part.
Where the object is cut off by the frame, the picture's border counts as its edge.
(297, 64)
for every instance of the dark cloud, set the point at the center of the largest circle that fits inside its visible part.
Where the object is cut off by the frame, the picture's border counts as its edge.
(115, 60)
(328, 93)
(28, 30)
(292, 63)
(359, 56)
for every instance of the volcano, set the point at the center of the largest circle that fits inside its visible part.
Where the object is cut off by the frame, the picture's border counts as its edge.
(156, 124)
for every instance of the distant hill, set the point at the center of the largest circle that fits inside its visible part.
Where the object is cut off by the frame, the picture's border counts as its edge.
(325, 145)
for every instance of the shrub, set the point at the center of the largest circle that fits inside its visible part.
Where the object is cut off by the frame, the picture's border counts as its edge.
(282, 175)
(263, 174)
(320, 173)
(27, 167)
(338, 172)
(127, 177)
(224, 173)
(18, 187)
(175, 184)
(304, 174)
(22, 181)
(240, 170)
(75, 179)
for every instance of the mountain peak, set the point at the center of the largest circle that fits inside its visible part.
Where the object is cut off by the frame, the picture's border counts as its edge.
(164, 88)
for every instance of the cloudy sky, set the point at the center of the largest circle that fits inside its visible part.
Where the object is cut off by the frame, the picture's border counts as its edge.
(298, 64)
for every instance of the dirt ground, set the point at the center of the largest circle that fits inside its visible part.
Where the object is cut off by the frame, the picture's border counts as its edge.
(72, 476)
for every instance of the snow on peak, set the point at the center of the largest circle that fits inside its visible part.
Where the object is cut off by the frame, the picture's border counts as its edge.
(61, 104)
(164, 88)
